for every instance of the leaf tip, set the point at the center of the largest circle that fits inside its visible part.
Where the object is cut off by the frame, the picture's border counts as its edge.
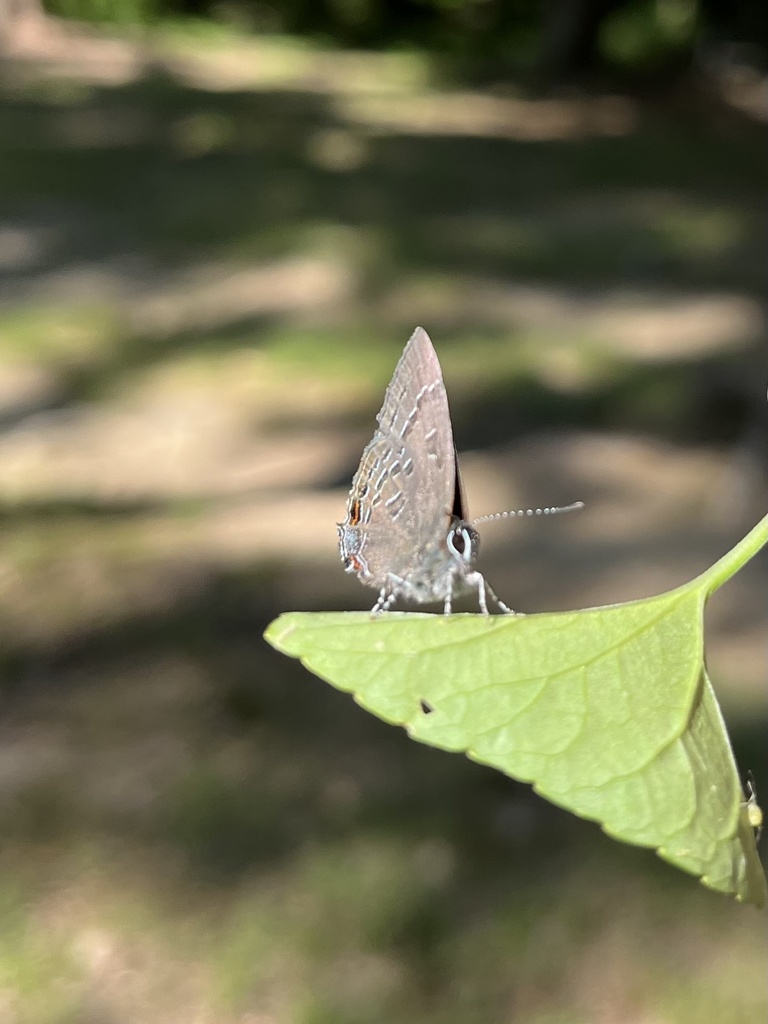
(278, 631)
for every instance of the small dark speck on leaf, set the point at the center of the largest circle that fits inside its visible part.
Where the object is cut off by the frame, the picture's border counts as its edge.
(426, 707)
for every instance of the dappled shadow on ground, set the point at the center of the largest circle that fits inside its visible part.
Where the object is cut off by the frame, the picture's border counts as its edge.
(195, 291)
(115, 194)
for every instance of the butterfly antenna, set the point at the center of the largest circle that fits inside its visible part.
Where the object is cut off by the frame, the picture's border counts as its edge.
(551, 511)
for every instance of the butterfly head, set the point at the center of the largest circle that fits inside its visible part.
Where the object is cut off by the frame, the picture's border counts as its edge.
(463, 542)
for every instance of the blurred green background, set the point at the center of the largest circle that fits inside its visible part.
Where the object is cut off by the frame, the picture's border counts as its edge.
(219, 224)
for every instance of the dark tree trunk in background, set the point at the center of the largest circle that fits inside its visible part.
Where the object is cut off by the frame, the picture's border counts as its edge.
(569, 32)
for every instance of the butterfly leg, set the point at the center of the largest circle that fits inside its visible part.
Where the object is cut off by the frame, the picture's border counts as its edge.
(448, 606)
(484, 590)
(387, 594)
(502, 607)
(386, 600)
(481, 599)
(477, 580)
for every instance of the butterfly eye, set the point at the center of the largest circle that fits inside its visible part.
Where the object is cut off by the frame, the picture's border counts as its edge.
(471, 542)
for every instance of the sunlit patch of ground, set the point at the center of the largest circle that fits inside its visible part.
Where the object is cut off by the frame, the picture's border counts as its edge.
(212, 253)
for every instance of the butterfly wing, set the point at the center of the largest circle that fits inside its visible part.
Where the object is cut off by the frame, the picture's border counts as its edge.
(404, 490)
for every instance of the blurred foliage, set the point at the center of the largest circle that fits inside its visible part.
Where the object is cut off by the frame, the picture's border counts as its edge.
(117, 12)
(491, 38)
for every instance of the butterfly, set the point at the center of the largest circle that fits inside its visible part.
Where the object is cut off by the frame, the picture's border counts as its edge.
(407, 532)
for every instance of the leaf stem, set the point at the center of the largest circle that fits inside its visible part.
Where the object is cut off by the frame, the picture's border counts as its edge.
(729, 564)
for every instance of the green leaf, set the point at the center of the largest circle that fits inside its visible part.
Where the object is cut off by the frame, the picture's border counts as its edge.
(608, 712)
